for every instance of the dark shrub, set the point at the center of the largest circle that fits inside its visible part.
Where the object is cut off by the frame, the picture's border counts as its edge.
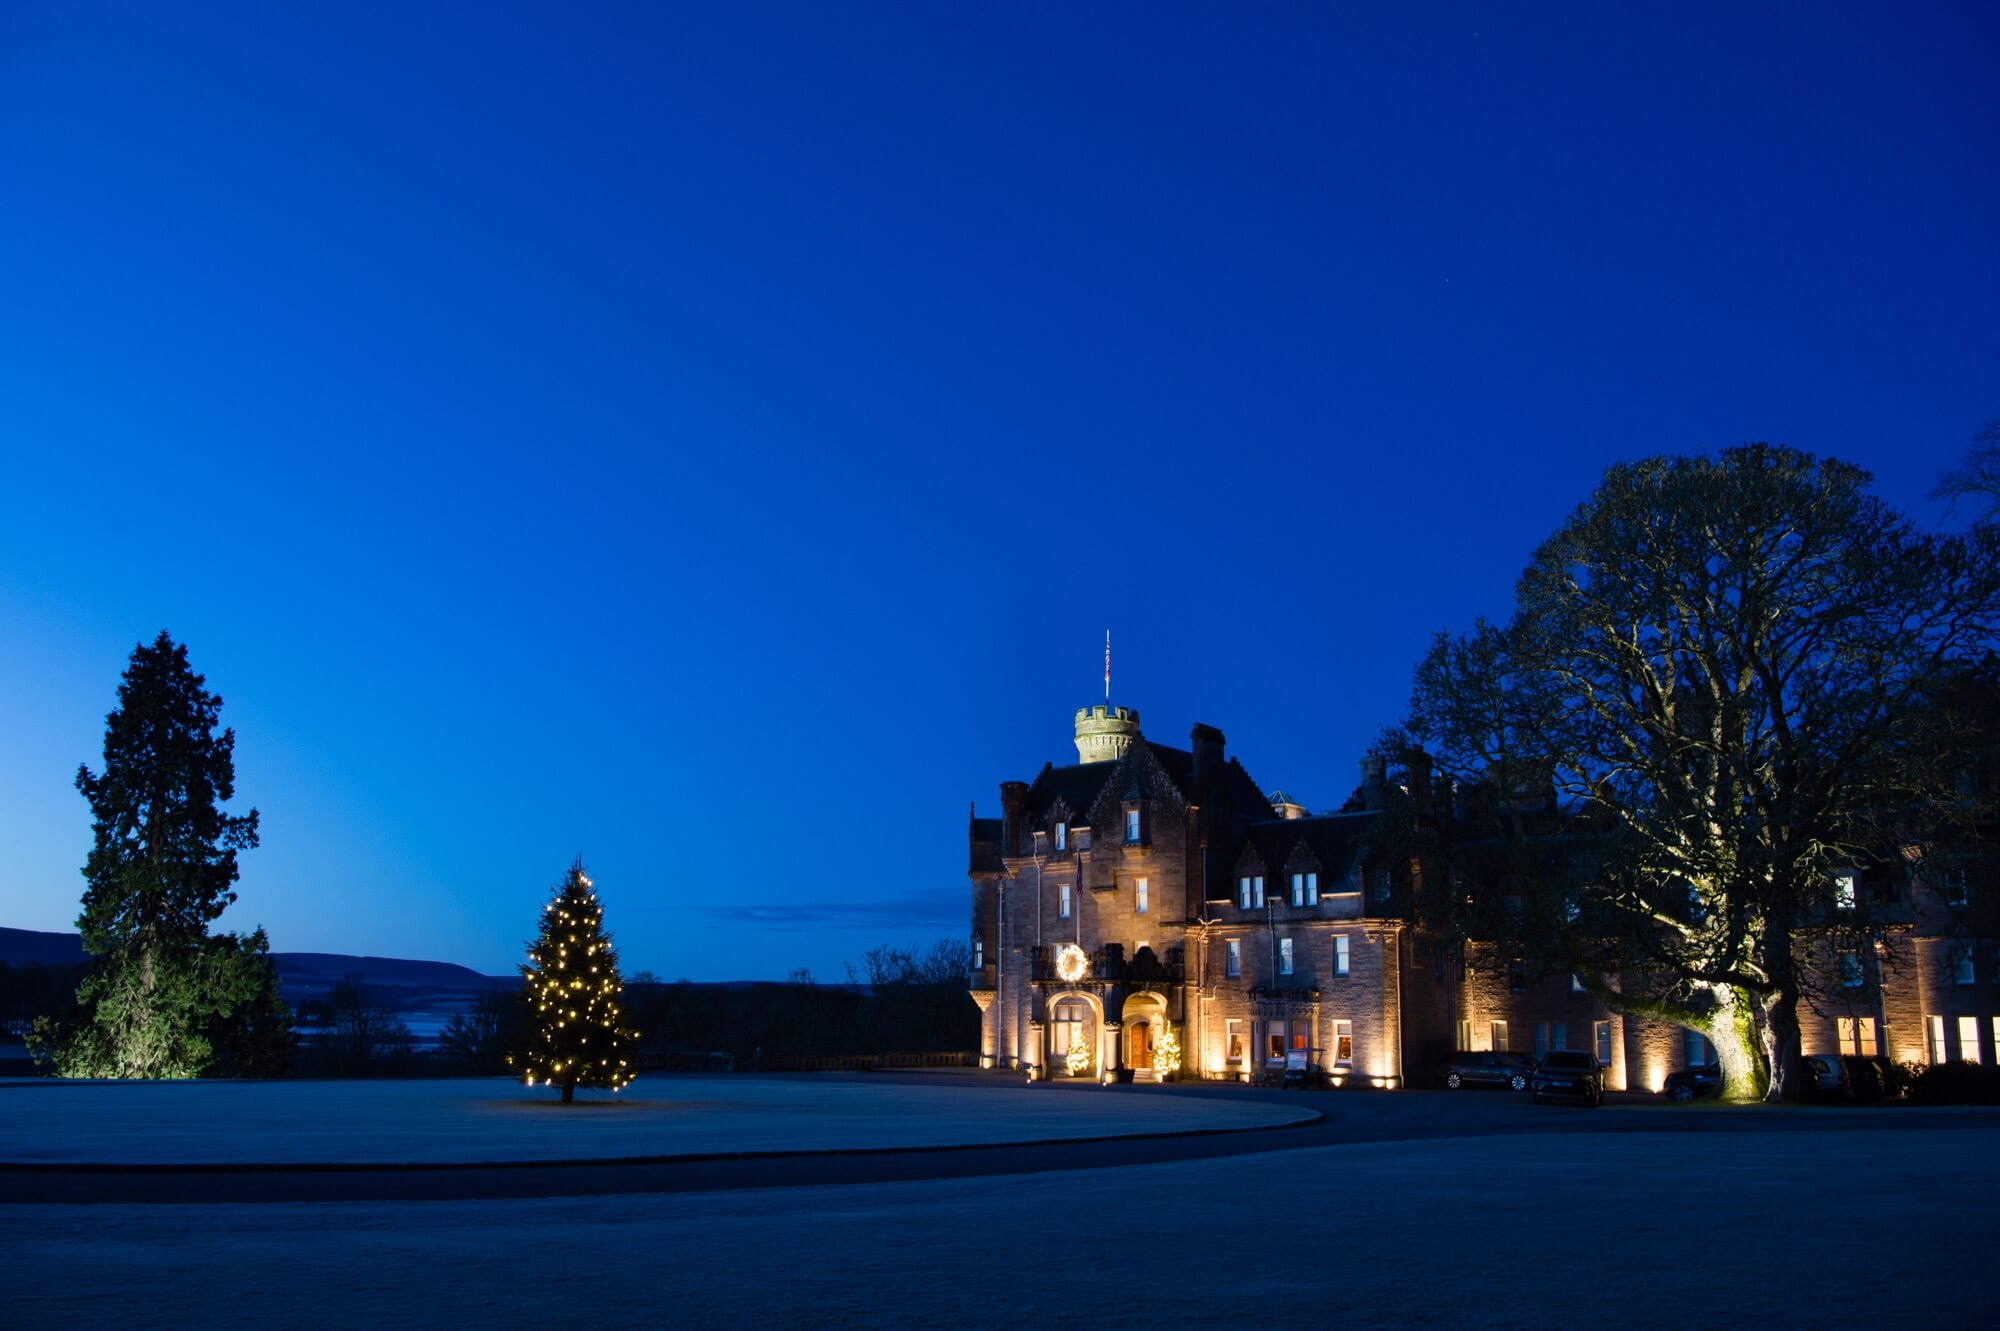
(1956, 1084)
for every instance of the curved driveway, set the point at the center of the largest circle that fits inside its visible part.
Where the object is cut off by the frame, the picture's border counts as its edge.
(1346, 1118)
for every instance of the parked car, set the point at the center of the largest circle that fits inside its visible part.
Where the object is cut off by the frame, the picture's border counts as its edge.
(1826, 1072)
(1693, 1083)
(1569, 1074)
(1496, 1068)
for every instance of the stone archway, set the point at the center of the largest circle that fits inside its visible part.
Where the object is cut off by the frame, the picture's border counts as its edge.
(1074, 1018)
(1144, 1016)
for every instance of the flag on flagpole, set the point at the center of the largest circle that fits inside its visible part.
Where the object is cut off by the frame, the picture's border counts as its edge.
(1107, 665)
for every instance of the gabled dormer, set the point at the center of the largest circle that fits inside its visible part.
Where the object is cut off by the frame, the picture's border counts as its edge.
(1249, 879)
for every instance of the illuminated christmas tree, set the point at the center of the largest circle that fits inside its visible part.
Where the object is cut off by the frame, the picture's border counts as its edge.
(1167, 1053)
(571, 988)
(1077, 1061)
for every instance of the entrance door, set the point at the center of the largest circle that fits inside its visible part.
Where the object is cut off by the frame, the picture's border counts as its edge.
(1142, 1046)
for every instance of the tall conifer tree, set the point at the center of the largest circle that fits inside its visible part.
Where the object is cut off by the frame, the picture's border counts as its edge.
(161, 868)
(572, 991)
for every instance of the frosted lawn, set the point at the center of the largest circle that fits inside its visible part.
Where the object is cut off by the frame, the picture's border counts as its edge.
(1552, 1230)
(479, 1120)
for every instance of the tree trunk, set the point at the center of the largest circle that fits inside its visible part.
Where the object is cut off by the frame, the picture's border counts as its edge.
(1782, 1042)
(569, 1093)
(1732, 1029)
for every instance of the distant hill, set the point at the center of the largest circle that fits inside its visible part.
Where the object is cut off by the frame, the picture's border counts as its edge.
(302, 976)
(29, 947)
(325, 969)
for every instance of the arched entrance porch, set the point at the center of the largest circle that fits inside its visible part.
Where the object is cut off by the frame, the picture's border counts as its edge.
(1144, 1017)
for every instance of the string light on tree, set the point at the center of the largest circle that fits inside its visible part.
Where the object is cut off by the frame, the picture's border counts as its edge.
(1167, 1053)
(572, 990)
(1077, 1061)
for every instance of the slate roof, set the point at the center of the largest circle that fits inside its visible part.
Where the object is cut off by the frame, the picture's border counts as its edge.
(1336, 840)
(1077, 785)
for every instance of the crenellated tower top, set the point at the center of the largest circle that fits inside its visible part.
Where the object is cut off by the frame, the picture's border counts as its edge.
(1104, 732)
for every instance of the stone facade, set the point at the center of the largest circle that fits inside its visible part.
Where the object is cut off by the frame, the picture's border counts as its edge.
(1147, 889)
(1265, 940)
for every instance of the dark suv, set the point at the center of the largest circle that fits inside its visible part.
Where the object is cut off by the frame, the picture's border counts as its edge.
(1569, 1074)
(1691, 1083)
(1500, 1068)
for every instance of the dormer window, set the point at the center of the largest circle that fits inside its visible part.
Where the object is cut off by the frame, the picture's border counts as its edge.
(1954, 887)
(1062, 836)
(1250, 893)
(1131, 826)
(1305, 889)
(1846, 883)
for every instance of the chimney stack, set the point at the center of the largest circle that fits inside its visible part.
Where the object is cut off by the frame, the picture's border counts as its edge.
(1419, 764)
(1206, 744)
(1374, 783)
(1013, 813)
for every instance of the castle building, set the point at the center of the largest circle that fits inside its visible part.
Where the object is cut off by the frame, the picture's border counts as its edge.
(1147, 894)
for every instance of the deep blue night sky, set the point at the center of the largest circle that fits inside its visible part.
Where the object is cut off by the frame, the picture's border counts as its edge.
(717, 442)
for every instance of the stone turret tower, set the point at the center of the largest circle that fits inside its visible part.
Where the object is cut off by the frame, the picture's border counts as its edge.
(1103, 732)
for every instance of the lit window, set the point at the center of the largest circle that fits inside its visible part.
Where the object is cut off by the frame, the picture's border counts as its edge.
(1961, 966)
(1234, 966)
(1559, 1035)
(1243, 893)
(1968, 1039)
(1234, 1047)
(1850, 970)
(1312, 889)
(978, 954)
(1274, 1042)
(1500, 1037)
(1954, 887)
(1602, 1034)
(1855, 1035)
(1062, 905)
(1575, 983)
(1298, 889)
(1343, 1044)
(1131, 824)
(1700, 1053)
(1517, 975)
(1257, 891)
(1340, 954)
(1140, 895)
(1845, 894)
(1284, 956)
(1062, 836)
(1936, 1025)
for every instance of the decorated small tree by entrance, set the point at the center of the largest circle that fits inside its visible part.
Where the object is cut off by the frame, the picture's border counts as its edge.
(1167, 1052)
(1077, 1061)
(571, 987)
